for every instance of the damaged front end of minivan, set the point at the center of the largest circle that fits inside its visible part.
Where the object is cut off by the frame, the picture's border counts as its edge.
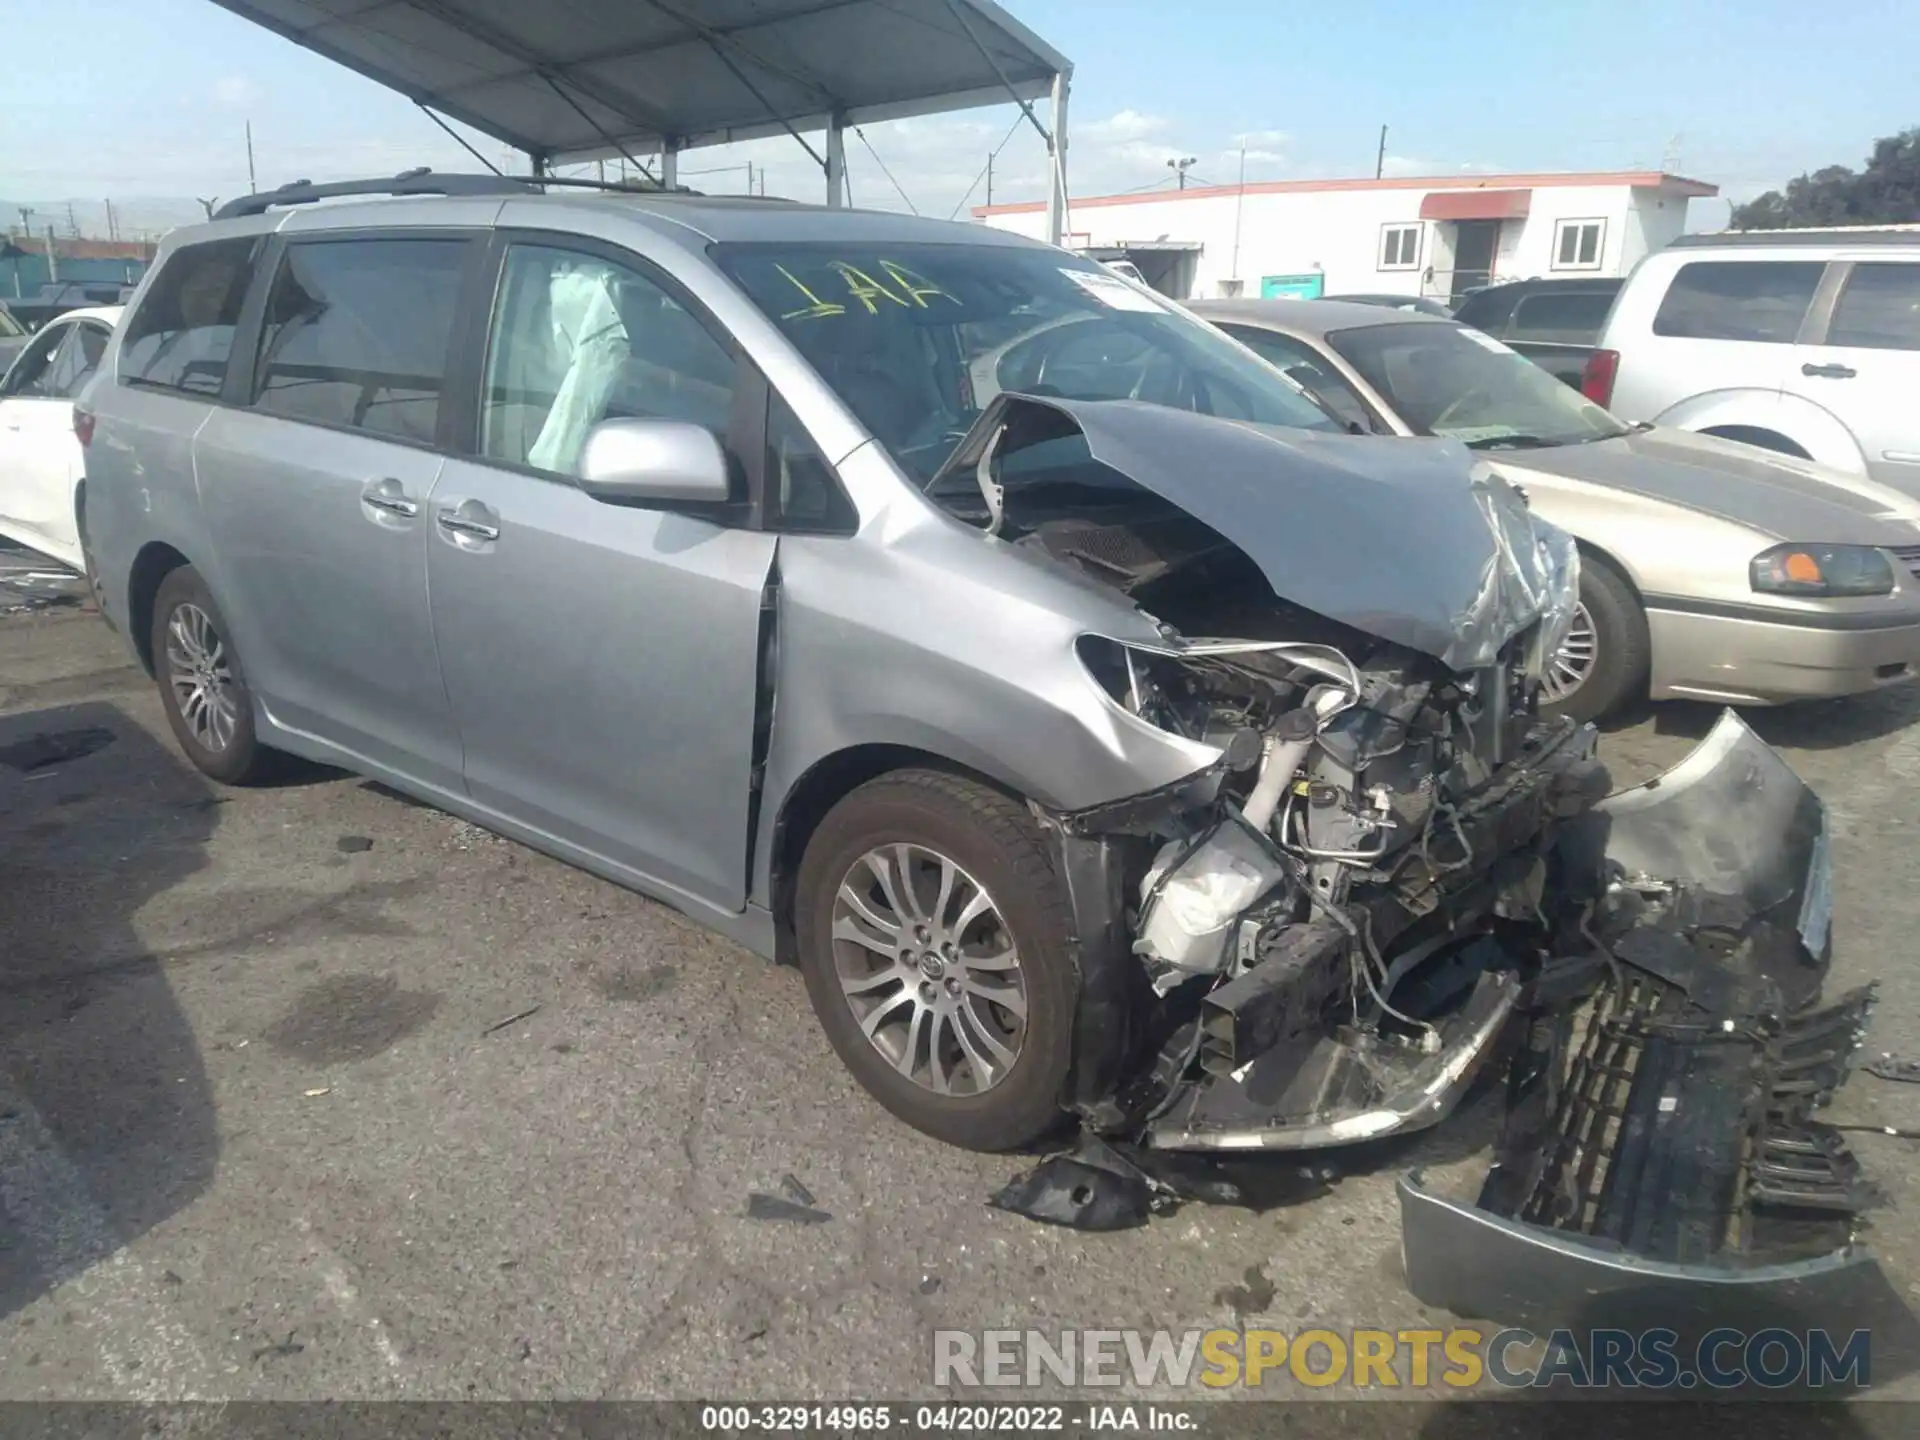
(1399, 874)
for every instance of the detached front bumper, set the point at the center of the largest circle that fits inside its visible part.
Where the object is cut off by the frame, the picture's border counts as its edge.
(1661, 1163)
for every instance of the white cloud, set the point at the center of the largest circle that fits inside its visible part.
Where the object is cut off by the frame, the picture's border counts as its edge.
(235, 91)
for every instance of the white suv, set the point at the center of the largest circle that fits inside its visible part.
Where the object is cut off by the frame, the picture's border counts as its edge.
(1802, 341)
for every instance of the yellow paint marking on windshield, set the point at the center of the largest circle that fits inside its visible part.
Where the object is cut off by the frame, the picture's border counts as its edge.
(817, 309)
(913, 290)
(863, 287)
(918, 287)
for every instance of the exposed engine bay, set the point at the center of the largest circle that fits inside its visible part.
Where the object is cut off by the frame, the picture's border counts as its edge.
(1400, 874)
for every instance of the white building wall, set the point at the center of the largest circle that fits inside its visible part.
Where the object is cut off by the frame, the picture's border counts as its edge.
(1338, 233)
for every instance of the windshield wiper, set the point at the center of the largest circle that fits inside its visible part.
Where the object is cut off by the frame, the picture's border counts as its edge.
(1513, 442)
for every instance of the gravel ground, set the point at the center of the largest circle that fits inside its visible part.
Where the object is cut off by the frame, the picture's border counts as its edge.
(312, 1092)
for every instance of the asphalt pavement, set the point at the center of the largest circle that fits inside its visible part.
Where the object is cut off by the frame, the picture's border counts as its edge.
(313, 1092)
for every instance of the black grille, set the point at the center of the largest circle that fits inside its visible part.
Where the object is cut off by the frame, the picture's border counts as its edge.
(1625, 1162)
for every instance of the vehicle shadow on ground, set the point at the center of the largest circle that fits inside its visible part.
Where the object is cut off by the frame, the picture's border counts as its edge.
(1807, 725)
(107, 1122)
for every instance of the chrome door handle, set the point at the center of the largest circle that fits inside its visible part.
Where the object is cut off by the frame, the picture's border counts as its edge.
(473, 529)
(1830, 372)
(385, 494)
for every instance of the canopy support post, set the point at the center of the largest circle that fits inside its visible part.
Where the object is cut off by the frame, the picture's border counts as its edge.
(1057, 155)
(836, 162)
(669, 164)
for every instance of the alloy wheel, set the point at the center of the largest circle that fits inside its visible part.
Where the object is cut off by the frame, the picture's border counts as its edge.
(930, 969)
(1572, 664)
(201, 676)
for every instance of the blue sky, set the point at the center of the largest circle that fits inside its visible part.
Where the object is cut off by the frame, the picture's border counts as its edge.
(148, 98)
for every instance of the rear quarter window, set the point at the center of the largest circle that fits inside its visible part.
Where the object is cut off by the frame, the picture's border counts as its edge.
(1759, 301)
(1566, 317)
(1489, 310)
(181, 336)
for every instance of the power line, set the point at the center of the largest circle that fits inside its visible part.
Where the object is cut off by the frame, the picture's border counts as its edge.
(983, 169)
(883, 168)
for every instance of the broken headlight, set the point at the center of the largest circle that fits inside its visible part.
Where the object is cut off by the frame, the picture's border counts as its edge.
(1821, 570)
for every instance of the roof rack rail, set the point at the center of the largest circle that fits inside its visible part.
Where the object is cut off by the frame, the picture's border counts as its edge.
(1842, 235)
(423, 181)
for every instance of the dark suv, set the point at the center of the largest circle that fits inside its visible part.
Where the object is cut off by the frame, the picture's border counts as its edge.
(1554, 323)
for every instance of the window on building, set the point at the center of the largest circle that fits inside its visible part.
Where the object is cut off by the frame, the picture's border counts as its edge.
(1879, 309)
(1758, 300)
(181, 335)
(1577, 244)
(356, 334)
(1399, 247)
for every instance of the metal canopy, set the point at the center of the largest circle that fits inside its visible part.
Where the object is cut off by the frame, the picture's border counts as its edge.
(569, 80)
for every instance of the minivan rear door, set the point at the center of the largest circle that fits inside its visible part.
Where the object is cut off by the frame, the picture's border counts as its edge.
(1863, 364)
(314, 481)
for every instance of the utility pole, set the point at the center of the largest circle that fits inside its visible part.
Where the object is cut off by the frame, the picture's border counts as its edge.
(253, 187)
(53, 260)
(26, 220)
(73, 224)
(1180, 166)
(1380, 159)
(1239, 204)
(989, 179)
(112, 232)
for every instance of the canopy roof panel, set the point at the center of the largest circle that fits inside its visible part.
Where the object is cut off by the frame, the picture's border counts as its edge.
(579, 79)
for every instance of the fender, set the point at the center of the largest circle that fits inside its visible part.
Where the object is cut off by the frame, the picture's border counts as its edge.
(1813, 428)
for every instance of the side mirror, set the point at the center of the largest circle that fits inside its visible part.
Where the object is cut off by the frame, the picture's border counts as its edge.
(654, 460)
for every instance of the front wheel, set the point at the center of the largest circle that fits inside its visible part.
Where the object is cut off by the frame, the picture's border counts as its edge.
(1602, 665)
(933, 935)
(202, 687)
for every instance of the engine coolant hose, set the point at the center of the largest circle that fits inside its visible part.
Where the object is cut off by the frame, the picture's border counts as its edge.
(1286, 745)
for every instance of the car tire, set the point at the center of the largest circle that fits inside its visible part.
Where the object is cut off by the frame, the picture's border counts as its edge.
(203, 687)
(89, 569)
(906, 996)
(1621, 647)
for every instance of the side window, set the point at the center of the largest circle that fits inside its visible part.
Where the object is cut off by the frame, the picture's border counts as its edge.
(1564, 317)
(1879, 309)
(182, 334)
(806, 491)
(1757, 300)
(356, 334)
(575, 340)
(1309, 368)
(77, 360)
(1489, 309)
(34, 367)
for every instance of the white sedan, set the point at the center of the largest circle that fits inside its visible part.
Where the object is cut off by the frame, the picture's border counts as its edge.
(40, 460)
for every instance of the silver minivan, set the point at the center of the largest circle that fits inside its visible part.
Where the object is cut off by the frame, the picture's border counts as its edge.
(1102, 729)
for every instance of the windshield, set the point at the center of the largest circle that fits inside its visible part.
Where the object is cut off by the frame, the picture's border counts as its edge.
(917, 338)
(1449, 380)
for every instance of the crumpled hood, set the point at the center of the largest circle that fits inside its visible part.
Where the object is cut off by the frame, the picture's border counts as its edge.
(1777, 495)
(1412, 541)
